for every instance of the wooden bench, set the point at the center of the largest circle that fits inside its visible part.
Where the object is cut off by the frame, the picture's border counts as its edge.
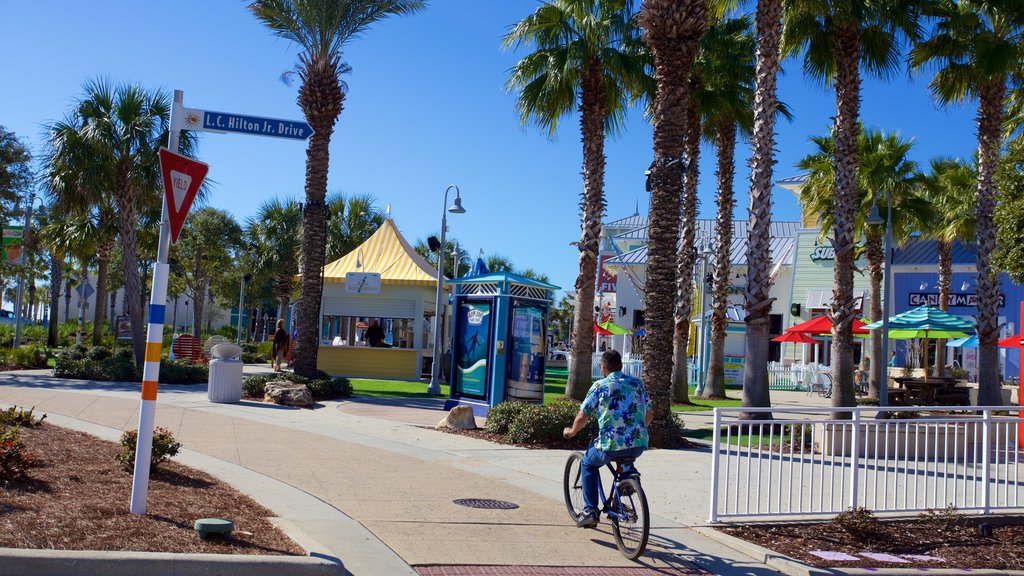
(188, 347)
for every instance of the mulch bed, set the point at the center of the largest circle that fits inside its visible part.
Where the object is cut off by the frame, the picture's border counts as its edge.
(960, 547)
(77, 498)
(577, 443)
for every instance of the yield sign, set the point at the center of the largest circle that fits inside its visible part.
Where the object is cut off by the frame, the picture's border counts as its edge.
(182, 178)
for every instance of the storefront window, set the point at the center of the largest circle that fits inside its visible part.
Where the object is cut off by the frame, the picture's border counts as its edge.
(367, 331)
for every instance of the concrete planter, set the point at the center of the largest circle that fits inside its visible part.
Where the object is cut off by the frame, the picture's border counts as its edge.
(923, 441)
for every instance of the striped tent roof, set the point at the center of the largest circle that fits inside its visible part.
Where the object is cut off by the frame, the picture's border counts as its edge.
(925, 318)
(387, 253)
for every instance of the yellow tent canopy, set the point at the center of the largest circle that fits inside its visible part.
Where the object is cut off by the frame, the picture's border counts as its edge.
(387, 253)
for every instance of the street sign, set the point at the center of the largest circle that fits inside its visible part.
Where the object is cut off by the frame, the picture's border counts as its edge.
(13, 236)
(87, 289)
(224, 122)
(182, 178)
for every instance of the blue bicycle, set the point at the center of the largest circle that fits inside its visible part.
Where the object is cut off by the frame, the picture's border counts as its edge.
(625, 505)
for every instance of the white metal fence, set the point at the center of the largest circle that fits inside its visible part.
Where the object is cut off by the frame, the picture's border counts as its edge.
(632, 365)
(806, 462)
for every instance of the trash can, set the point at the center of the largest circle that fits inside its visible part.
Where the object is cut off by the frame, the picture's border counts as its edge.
(225, 383)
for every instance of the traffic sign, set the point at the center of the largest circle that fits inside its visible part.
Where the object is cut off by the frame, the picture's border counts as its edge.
(85, 291)
(182, 178)
(223, 122)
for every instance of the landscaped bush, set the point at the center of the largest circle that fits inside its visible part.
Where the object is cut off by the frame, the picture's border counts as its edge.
(15, 416)
(947, 519)
(265, 349)
(25, 357)
(183, 372)
(75, 352)
(534, 425)
(859, 523)
(97, 363)
(323, 387)
(15, 459)
(164, 448)
(501, 416)
(98, 353)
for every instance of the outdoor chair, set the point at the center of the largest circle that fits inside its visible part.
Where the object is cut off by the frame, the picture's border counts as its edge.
(860, 382)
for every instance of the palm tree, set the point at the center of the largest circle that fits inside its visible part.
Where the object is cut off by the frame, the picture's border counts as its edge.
(321, 28)
(884, 170)
(109, 145)
(726, 62)
(75, 238)
(351, 221)
(838, 39)
(950, 188)
(587, 59)
(978, 47)
(275, 236)
(673, 31)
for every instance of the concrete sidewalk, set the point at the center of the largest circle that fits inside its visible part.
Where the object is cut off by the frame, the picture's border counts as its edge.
(381, 491)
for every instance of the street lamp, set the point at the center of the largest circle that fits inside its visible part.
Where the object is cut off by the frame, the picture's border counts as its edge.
(876, 220)
(435, 366)
(704, 254)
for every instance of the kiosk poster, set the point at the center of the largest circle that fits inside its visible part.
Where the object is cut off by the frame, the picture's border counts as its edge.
(526, 378)
(12, 245)
(124, 328)
(472, 348)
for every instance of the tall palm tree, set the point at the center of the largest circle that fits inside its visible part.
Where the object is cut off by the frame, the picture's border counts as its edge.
(838, 40)
(726, 62)
(673, 30)
(275, 237)
(757, 302)
(353, 219)
(950, 187)
(321, 28)
(110, 146)
(884, 169)
(586, 59)
(977, 47)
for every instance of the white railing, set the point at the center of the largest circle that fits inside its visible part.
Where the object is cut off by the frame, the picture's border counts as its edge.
(632, 365)
(791, 377)
(806, 462)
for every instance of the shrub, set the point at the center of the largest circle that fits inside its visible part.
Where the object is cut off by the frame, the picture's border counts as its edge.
(65, 366)
(15, 416)
(15, 459)
(329, 388)
(115, 370)
(859, 523)
(125, 354)
(253, 386)
(322, 387)
(97, 353)
(534, 425)
(76, 352)
(164, 448)
(264, 349)
(502, 415)
(947, 519)
(183, 372)
(253, 358)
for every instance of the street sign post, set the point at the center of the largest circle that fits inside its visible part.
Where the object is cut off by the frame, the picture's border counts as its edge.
(224, 122)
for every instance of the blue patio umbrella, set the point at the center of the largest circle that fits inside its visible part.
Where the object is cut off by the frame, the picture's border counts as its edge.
(966, 342)
(925, 322)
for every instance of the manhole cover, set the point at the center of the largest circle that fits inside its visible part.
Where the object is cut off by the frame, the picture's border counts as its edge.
(486, 504)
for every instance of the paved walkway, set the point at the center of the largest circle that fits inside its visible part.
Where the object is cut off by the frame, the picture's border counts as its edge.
(397, 478)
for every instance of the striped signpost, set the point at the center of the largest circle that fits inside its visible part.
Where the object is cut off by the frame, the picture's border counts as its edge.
(182, 179)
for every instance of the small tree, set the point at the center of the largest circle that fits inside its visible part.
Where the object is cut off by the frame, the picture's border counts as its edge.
(205, 253)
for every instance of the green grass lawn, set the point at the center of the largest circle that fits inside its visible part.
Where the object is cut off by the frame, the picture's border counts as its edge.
(554, 389)
(742, 440)
(393, 388)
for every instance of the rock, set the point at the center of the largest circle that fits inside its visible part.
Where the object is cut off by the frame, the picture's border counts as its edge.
(460, 418)
(287, 393)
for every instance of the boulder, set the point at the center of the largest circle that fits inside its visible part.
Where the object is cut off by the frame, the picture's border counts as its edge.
(287, 393)
(460, 418)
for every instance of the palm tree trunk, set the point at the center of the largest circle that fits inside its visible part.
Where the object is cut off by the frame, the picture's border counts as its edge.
(32, 301)
(990, 120)
(758, 304)
(320, 98)
(945, 279)
(847, 46)
(673, 29)
(686, 255)
(592, 114)
(876, 258)
(99, 316)
(56, 269)
(127, 199)
(725, 141)
(67, 296)
(83, 278)
(199, 303)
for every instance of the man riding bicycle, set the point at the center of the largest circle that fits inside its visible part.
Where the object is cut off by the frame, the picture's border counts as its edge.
(622, 408)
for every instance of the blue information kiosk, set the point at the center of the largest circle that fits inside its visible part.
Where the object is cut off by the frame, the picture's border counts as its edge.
(499, 343)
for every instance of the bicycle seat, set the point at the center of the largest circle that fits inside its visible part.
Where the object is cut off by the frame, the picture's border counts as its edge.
(624, 461)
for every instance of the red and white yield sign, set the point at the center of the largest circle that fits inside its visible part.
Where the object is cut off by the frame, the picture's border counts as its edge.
(182, 178)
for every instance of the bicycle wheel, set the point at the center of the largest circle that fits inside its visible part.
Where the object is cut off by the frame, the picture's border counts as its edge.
(632, 530)
(572, 484)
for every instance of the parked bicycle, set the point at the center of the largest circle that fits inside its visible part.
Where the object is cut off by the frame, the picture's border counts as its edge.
(625, 505)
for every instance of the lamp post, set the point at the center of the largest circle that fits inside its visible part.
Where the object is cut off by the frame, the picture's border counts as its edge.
(241, 303)
(875, 219)
(435, 366)
(704, 254)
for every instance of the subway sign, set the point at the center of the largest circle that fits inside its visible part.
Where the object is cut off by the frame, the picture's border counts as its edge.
(961, 300)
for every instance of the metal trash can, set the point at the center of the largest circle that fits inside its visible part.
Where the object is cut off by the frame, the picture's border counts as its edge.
(225, 383)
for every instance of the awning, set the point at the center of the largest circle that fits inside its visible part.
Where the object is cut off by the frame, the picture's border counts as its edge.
(387, 253)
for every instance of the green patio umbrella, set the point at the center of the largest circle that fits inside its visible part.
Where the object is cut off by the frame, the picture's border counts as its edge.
(925, 322)
(614, 328)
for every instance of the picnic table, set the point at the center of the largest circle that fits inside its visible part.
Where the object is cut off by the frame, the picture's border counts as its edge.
(935, 391)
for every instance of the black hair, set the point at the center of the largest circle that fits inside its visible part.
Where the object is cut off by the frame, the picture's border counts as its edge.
(612, 360)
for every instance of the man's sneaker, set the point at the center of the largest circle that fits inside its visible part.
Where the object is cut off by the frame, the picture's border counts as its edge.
(587, 520)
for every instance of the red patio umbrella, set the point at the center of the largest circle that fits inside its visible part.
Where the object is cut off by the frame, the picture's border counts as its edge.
(822, 325)
(795, 337)
(601, 331)
(1011, 341)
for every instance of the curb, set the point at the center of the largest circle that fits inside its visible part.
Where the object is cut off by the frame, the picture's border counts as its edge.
(30, 562)
(793, 567)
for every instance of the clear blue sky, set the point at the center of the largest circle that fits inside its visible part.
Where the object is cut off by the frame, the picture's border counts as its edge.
(426, 107)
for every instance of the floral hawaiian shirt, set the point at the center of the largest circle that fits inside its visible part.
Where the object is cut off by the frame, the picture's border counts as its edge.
(619, 403)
